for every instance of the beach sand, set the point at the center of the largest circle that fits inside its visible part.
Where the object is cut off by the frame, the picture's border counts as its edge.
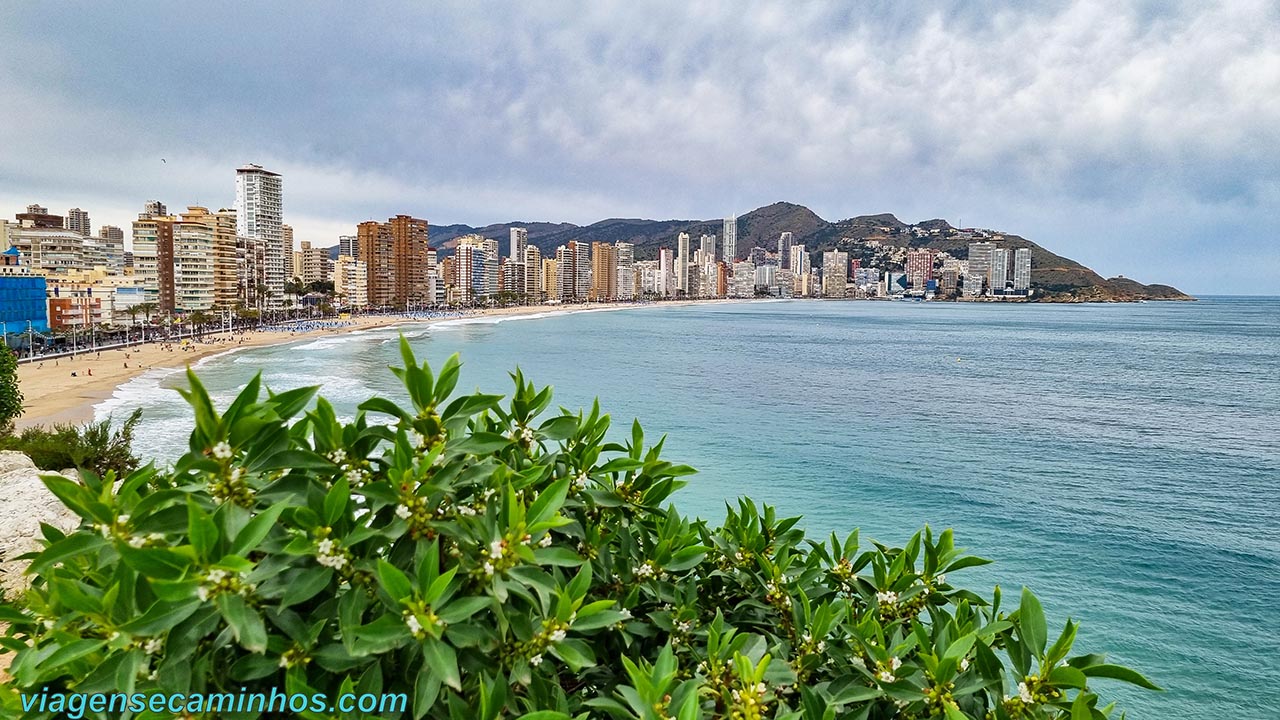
(52, 395)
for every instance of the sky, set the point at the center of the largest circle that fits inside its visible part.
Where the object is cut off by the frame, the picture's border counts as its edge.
(1141, 138)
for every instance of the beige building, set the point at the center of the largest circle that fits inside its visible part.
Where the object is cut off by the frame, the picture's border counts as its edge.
(224, 266)
(350, 281)
(311, 264)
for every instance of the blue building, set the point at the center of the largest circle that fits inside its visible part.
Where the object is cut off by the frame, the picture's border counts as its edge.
(23, 298)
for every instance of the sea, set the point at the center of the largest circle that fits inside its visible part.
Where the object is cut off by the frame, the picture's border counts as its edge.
(1121, 460)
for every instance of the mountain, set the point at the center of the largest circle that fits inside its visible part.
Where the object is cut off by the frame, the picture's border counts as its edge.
(872, 238)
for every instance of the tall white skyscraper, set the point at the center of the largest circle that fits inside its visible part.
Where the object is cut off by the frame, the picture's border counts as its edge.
(784, 251)
(707, 246)
(999, 270)
(259, 204)
(799, 260)
(519, 239)
(626, 270)
(78, 221)
(682, 262)
(980, 257)
(730, 239)
(1022, 270)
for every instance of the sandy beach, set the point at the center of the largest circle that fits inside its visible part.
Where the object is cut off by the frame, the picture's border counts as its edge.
(53, 395)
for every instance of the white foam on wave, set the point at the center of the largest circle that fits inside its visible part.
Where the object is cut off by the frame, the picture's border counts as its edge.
(141, 391)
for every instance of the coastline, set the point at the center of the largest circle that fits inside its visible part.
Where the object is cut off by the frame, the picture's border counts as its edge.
(53, 396)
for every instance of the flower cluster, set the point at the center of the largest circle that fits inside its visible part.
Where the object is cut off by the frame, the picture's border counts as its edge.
(501, 556)
(887, 672)
(844, 577)
(776, 595)
(523, 435)
(552, 632)
(223, 582)
(422, 620)
(230, 485)
(749, 702)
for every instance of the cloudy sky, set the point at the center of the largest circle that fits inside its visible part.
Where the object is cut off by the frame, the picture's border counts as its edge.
(1141, 138)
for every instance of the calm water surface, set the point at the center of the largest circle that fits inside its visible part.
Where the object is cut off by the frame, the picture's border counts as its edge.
(1121, 460)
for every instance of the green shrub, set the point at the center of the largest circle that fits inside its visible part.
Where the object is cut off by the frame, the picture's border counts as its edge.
(93, 446)
(10, 393)
(488, 564)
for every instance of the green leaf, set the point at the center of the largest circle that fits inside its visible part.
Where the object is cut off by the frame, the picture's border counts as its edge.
(245, 622)
(548, 502)
(335, 502)
(561, 556)
(1031, 623)
(443, 661)
(257, 529)
(395, 582)
(201, 530)
(1119, 672)
(156, 562)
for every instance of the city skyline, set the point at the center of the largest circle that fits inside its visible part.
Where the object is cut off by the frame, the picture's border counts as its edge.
(989, 114)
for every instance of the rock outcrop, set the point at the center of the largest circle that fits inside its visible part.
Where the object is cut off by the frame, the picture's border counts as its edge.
(24, 503)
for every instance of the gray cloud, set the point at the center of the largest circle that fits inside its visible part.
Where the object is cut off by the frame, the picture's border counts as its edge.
(1132, 136)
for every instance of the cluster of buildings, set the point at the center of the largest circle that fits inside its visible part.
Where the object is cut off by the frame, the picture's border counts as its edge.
(57, 273)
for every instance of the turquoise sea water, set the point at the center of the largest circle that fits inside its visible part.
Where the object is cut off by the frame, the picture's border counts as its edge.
(1121, 460)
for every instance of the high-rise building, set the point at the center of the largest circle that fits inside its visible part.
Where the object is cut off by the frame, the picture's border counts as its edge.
(111, 238)
(919, 268)
(78, 221)
(351, 281)
(799, 264)
(730, 239)
(665, 282)
(682, 263)
(1022, 270)
(626, 270)
(492, 261)
(519, 240)
(784, 251)
(999, 270)
(147, 241)
(979, 274)
(550, 278)
(259, 212)
(835, 273)
(707, 246)
(743, 282)
(532, 274)
(349, 245)
(193, 266)
(573, 271)
(469, 263)
(222, 228)
(311, 264)
(395, 257)
(604, 272)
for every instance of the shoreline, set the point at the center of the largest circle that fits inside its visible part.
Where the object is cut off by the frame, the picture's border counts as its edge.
(52, 395)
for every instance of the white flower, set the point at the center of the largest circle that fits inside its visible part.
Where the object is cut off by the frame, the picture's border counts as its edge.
(47, 623)
(885, 676)
(153, 646)
(545, 541)
(859, 662)
(284, 662)
(887, 597)
(644, 569)
(556, 636)
(684, 626)
(895, 663)
(325, 547)
(488, 568)
(403, 512)
(415, 625)
(941, 579)
(202, 592)
(114, 635)
(536, 660)
(625, 613)
(216, 576)
(580, 482)
(466, 511)
(806, 638)
(822, 646)
(137, 542)
(122, 520)
(1024, 694)
(964, 664)
(236, 473)
(495, 549)
(337, 562)
(222, 450)
(155, 537)
(337, 456)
